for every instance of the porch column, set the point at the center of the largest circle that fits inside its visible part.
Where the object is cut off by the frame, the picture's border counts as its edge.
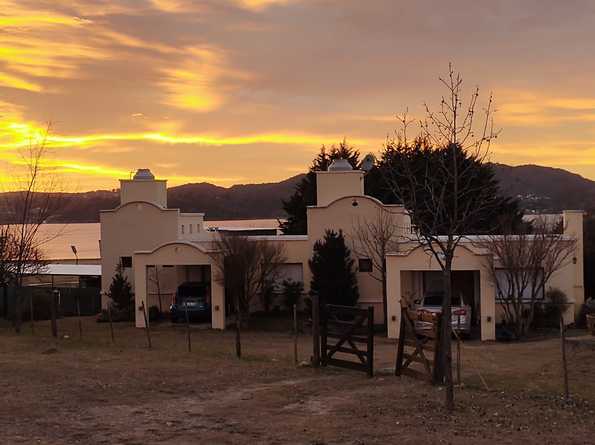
(487, 307)
(393, 294)
(217, 304)
(140, 292)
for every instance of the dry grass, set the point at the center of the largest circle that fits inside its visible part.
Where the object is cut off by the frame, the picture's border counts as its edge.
(90, 391)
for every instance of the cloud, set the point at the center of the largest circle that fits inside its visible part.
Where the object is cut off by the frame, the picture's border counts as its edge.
(258, 5)
(259, 85)
(192, 86)
(534, 109)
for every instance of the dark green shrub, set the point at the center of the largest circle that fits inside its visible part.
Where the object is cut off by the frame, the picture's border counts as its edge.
(547, 315)
(154, 314)
(118, 315)
(587, 308)
(291, 291)
(120, 292)
(333, 274)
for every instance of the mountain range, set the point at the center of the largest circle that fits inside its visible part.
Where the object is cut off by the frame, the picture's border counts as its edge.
(543, 189)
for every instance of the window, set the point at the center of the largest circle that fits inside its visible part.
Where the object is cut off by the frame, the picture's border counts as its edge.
(126, 261)
(365, 265)
(190, 228)
(182, 229)
(503, 285)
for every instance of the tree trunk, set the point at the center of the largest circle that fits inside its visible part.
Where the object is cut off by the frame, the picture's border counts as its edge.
(18, 311)
(445, 337)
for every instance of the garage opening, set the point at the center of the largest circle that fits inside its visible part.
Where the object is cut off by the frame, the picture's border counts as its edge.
(426, 289)
(174, 290)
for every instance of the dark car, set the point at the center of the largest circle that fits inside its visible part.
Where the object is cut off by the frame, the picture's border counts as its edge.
(191, 297)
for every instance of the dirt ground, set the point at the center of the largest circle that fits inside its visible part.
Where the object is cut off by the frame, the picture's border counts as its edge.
(89, 391)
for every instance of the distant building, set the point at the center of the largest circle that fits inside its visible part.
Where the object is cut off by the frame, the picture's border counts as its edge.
(160, 248)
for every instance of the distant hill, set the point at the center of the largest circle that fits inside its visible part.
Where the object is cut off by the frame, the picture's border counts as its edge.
(538, 188)
(546, 188)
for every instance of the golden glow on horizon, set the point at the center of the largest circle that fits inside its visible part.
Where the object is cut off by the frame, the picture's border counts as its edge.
(122, 89)
(19, 134)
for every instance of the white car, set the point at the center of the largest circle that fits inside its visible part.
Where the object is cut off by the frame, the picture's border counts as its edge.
(460, 312)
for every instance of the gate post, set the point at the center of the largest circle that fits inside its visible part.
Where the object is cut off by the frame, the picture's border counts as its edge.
(370, 354)
(315, 331)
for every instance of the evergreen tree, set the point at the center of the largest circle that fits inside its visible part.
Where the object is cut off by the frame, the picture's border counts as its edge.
(305, 192)
(497, 211)
(333, 273)
(502, 208)
(120, 291)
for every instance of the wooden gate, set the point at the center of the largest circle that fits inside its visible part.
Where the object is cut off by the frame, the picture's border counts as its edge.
(342, 329)
(418, 345)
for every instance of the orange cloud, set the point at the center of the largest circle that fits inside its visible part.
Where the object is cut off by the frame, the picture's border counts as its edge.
(261, 4)
(528, 108)
(196, 84)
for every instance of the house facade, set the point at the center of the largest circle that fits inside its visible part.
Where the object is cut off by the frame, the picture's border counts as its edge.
(160, 248)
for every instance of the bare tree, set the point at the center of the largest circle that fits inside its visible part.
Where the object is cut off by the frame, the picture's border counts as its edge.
(6, 254)
(155, 278)
(439, 180)
(34, 201)
(522, 265)
(373, 238)
(245, 266)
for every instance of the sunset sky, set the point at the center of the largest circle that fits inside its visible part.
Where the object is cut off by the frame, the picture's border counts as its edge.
(239, 91)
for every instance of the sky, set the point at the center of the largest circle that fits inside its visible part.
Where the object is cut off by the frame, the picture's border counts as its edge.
(245, 91)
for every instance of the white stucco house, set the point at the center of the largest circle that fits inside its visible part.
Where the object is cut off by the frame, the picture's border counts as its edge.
(153, 241)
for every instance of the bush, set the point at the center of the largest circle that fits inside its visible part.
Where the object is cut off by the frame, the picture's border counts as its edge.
(291, 291)
(118, 315)
(154, 314)
(548, 315)
(587, 308)
(120, 291)
(333, 274)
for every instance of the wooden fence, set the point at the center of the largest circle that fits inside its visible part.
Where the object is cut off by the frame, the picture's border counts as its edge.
(343, 330)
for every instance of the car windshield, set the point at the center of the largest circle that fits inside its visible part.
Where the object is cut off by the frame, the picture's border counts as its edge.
(436, 300)
(191, 292)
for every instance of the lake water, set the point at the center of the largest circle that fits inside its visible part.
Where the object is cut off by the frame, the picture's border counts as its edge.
(86, 236)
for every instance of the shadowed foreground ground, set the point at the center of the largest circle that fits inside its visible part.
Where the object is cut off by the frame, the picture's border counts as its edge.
(88, 391)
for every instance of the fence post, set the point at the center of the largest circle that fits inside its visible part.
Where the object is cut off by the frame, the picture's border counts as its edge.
(32, 314)
(458, 357)
(564, 361)
(147, 330)
(187, 327)
(400, 343)
(315, 331)
(295, 336)
(109, 317)
(54, 312)
(78, 312)
(370, 341)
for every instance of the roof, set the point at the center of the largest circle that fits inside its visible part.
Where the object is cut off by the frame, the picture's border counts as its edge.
(81, 270)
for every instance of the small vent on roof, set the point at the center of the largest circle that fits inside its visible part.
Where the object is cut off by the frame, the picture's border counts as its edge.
(340, 165)
(143, 173)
